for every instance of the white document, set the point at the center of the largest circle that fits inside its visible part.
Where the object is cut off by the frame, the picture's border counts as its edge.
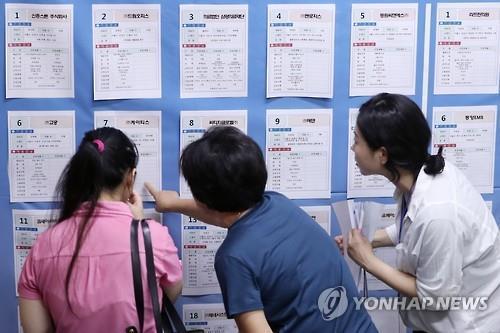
(467, 48)
(344, 211)
(369, 217)
(210, 317)
(144, 129)
(40, 145)
(300, 50)
(28, 224)
(298, 152)
(387, 321)
(379, 216)
(213, 50)
(127, 51)
(359, 186)
(383, 48)
(200, 242)
(39, 51)
(321, 214)
(195, 123)
(468, 135)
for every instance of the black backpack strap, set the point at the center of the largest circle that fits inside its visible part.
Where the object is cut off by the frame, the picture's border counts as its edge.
(136, 273)
(150, 265)
(174, 316)
(165, 316)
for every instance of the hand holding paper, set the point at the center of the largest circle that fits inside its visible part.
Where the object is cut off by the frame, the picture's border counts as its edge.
(359, 248)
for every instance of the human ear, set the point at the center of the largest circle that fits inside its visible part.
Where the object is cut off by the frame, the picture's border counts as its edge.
(383, 155)
(131, 177)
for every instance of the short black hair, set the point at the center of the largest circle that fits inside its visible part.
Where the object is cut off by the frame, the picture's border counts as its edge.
(225, 169)
(396, 122)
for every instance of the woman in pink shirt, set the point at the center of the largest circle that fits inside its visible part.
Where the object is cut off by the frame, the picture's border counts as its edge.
(78, 275)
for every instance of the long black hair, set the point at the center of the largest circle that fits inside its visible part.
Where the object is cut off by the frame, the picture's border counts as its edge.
(395, 122)
(102, 160)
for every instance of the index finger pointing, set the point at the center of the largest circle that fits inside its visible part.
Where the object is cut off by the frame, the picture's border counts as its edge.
(151, 189)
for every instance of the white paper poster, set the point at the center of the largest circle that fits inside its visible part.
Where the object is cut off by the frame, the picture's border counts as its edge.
(195, 123)
(210, 317)
(359, 186)
(144, 129)
(468, 135)
(200, 242)
(39, 51)
(127, 51)
(383, 48)
(300, 50)
(213, 50)
(298, 152)
(467, 48)
(321, 214)
(40, 145)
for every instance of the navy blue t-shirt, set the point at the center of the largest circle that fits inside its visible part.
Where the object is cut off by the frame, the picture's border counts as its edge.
(277, 259)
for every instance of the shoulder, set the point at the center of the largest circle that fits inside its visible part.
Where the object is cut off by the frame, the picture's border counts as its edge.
(159, 233)
(227, 264)
(451, 179)
(52, 240)
(276, 197)
(440, 196)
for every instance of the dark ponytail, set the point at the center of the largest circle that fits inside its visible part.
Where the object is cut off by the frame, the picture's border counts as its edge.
(100, 163)
(435, 163)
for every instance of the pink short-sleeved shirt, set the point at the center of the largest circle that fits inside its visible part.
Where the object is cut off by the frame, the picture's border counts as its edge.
(101, 290)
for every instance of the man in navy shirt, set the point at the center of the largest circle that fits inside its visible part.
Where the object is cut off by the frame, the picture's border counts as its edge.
(278, 270)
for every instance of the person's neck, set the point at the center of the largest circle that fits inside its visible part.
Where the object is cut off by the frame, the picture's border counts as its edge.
(227, 219)
(116, 195)
(405, 182)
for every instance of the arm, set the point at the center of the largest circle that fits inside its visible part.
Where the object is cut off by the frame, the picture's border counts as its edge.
(34, 316)
(361, 251)
(381, 239)
(169, 201)
(252, 322)
(173, 291)
(403, 282)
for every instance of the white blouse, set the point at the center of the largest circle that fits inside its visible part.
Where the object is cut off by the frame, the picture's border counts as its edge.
(450, 242)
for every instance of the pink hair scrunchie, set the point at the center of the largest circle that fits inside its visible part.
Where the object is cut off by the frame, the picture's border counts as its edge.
(99, 144)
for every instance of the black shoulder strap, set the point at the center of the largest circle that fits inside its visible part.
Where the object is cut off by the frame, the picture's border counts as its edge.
(163, 319)
(150, 265)
(136, 272)
(173, 315)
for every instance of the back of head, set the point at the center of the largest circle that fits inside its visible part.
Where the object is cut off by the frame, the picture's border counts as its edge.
(395, 122)
(225, 169)
(100, 163)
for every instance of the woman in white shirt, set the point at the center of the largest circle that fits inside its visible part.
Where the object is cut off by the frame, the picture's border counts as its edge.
(447, 241)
